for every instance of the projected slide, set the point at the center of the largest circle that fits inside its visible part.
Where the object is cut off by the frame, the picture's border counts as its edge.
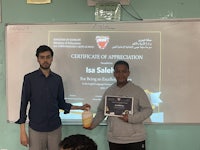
(163, 57)
(85, 61)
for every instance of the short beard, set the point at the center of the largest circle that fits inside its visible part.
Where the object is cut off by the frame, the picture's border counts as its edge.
(45, 68)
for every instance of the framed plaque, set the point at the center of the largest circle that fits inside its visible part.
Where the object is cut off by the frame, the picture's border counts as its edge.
(117, 106)
(38, 1)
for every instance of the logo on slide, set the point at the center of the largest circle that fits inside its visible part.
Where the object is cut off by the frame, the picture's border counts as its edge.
(102, 41)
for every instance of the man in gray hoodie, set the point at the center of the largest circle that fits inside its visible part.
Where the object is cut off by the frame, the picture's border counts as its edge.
(125, 132)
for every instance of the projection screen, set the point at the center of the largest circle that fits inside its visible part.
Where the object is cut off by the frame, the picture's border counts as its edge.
(163, 57)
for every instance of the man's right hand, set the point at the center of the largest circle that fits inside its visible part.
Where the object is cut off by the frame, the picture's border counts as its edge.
(23, 136)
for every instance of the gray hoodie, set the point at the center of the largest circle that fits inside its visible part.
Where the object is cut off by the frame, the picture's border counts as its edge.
(132, 131)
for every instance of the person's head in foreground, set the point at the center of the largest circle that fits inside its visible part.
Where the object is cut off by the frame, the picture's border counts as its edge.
(77, 142)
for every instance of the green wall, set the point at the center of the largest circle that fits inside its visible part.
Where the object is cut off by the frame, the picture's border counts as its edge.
(160, 136)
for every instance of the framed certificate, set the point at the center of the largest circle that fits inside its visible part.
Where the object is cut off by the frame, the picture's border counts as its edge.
(38, 1)
(117, 106)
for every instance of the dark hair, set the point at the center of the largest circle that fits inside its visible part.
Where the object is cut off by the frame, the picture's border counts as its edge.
(78, 142)
(43, 48)
(121, 62)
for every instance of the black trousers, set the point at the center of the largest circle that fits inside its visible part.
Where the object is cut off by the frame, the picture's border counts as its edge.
(129, 146)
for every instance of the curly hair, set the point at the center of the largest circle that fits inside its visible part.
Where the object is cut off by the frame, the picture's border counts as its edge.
(78, 142)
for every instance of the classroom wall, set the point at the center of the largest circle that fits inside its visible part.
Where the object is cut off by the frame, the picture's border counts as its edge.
(159, 136)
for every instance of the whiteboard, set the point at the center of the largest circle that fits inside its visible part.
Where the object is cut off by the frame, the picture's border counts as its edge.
(163, 57)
